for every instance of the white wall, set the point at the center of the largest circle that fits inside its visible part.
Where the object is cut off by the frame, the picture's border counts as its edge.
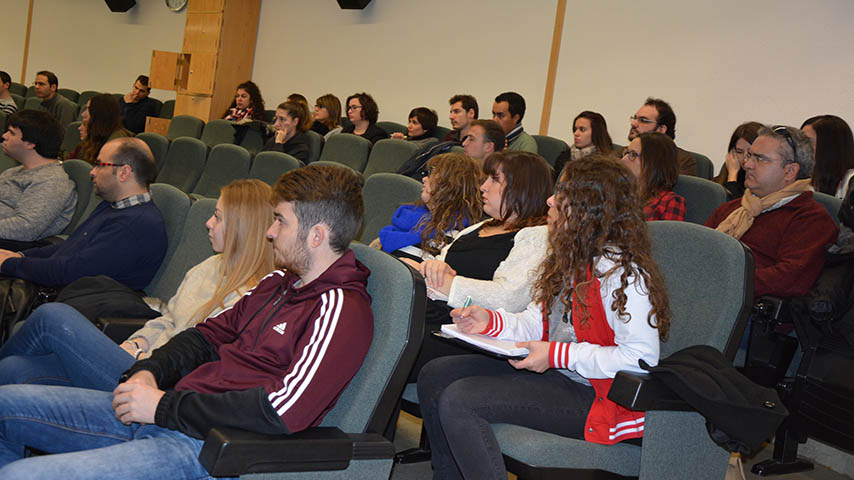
(717, 63)
(406, 53)
(89, 47)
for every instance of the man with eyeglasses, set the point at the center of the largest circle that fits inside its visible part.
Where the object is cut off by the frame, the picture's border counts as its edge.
(61, 108)
(655, 115)
(124, 237)
(777, 217)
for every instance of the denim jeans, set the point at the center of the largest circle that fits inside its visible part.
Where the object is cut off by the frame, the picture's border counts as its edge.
(59, 346)
(461, 395)
(77, 428)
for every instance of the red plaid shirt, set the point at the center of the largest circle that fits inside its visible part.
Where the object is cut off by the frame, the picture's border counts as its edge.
(665, 206)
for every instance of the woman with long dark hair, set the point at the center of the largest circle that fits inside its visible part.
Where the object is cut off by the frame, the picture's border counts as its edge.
(101, 121)
(834, 154)
(731, 176)
(651, 157)
(599, 305)
(248, 104)
(589, 136)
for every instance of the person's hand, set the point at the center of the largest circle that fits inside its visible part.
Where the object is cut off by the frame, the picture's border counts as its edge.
(4, 254)
(472, 319)
(136, 400)
(733, 165)
(281, 136)
(398, 136)
(438, 275)
(538, 358)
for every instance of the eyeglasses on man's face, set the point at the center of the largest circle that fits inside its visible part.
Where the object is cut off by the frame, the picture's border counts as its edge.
(108, 164)
(645, 120)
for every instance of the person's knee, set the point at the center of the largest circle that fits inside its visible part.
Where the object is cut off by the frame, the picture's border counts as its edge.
(57, 318)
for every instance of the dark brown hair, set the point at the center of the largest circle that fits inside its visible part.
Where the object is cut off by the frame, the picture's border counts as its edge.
(297, 110)
(598, 214)
(256, 101)
(747, 131)
(528, 180)
(105, 118)
(599, 130)
(370, 111)
(659, 170)
(834, 152)
(333, 106)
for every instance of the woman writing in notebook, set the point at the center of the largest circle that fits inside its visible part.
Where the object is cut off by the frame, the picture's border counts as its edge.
(606, 308)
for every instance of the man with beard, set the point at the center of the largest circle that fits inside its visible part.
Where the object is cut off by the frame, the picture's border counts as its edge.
(274, 363)
(655, 115)
(463, 111)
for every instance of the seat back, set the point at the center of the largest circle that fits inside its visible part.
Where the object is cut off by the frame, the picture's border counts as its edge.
(185, 126)
(173, 205)
(347, 149)
(709, 278)
(185, 162)
(78, 171)
(315, 145)
(19, 100)
(399, 297)
(383, 193)
(6, 161)
(31, 91)
(253, 139)
(70, 94)
(269, 166)
(71, 138)
(225, 164)
(388, 155)
(193, 247)
(550, 147)
(85, 96)
(440, 132)
(702, 197)
(705, 167)
(159, 146)
(830, 203)
(392, 127)
(32, 103)
(168, 109)
(216, 132)
(18, 89)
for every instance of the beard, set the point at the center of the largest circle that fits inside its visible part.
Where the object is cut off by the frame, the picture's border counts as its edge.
(294, 259)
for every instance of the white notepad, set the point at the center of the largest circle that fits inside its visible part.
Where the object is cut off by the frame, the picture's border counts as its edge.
(501, 347)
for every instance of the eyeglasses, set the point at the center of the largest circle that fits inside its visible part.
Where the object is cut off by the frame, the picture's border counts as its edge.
(633, 155)
(784, 132)
(764, 160)
(318, 107)
(643, 120)
(426, 171)
(108, 164)
(353, 107)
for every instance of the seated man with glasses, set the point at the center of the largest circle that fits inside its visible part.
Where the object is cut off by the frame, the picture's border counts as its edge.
(777, 216)
(124, 237)
(655, 115)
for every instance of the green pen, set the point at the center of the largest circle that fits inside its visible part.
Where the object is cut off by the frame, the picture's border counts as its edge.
(467, 303)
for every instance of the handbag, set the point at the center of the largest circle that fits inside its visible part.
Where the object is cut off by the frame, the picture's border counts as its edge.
(18, 298)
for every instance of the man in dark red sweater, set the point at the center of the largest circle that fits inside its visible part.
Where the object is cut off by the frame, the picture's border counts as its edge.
(276, 362)
(777, 217)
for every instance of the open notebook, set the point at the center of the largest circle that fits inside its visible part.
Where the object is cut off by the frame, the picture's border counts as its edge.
(505, 348)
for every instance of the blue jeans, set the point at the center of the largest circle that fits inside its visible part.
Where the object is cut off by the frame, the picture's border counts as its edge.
(59, 346)
(78, 428)
(460, 396)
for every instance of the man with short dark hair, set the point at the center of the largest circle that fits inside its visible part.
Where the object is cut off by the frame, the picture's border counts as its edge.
(136, 106)
(777, 217)
(124, 237)
(509, 110)
(62, 109)
(37, 199)
(484, 137)
(656, 115)
(274, 363)
(7, 103)
(464, 109)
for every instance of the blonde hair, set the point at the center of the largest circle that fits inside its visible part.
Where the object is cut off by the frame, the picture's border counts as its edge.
(247, 256)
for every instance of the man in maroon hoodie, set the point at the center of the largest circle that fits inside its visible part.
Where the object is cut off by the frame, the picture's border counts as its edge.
(275, 362)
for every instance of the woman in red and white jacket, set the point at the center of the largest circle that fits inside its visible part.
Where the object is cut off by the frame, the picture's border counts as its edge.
(598, 306)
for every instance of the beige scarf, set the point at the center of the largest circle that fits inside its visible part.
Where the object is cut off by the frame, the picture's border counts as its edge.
(739, 221)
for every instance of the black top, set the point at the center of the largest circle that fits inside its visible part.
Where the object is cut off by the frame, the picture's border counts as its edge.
(319, 127)
(133, 114)
(296, 147)
(373, 133)
(477, 257)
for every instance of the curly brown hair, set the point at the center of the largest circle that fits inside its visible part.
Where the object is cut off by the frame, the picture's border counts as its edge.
(598, 214)
(455, 200)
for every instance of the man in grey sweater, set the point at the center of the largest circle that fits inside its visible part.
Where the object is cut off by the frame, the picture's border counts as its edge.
(61, 108)
(37, 199)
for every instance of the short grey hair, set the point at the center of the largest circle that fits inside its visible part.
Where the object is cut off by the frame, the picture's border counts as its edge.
(802, 145)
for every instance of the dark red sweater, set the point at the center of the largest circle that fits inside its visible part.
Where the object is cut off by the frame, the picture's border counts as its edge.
(788, 244)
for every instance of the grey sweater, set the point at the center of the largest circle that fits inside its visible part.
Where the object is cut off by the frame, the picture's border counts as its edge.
(35, 203)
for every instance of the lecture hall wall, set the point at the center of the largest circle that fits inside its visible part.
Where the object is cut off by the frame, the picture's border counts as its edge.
(718, 63)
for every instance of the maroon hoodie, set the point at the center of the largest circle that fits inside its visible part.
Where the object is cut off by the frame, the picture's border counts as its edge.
(276, 362)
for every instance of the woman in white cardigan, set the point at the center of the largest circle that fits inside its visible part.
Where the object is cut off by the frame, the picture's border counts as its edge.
(495, 261)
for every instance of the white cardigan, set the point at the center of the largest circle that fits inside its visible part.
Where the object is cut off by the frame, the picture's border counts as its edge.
(510, 287)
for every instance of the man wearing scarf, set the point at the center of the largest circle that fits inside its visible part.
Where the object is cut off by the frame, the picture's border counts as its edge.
(777, 217)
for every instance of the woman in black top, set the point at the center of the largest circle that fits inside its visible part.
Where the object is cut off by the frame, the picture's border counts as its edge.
(362, 111)
(290, 134)
(327, 114)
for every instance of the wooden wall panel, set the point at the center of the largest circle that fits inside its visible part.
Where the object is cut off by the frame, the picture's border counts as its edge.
(202, 32)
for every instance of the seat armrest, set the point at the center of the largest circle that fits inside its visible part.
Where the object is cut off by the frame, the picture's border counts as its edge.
(119, 329)
(231, 452)
(642, 392)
